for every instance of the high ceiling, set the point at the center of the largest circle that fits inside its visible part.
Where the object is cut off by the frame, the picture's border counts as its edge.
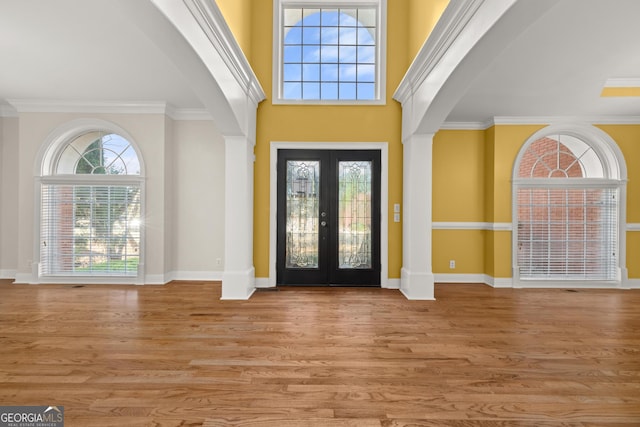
(560, 64)
(93, 51)
(84, 51)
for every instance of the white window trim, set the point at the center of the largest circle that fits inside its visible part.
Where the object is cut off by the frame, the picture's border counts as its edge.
(614, 166)
(381, 44)
(44, 173)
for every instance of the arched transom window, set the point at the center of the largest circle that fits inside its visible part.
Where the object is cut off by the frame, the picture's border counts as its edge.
(91, 208)
(329, 52)
(567, 209)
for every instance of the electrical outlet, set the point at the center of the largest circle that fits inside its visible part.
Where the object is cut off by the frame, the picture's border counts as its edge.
(452, 264)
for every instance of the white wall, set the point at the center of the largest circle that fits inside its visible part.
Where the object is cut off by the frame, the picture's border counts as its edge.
(8, 196)
(198, 244)
(184, 193)
(147, 132)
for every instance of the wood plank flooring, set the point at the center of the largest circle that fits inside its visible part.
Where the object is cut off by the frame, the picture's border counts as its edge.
(176, 355)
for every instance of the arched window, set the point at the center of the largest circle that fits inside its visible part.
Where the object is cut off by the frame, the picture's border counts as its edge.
(330, 53)
(567, 192)
(91, 193)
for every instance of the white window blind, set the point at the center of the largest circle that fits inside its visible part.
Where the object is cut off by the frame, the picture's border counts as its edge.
(567, 233)
(90, 229)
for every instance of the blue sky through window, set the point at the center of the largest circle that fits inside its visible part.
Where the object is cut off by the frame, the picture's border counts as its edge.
(329, 54)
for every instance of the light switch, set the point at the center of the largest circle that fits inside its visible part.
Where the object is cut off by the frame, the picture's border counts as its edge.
(396, 207)
(396, 217)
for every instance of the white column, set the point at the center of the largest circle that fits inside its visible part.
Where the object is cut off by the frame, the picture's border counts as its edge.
(238, 279)
(417, 276)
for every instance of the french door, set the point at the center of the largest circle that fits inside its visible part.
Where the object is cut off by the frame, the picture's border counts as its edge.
(328, 212)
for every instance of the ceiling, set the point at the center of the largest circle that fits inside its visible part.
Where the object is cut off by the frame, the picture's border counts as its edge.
(559, 65)
(86, 52)
(93, 51)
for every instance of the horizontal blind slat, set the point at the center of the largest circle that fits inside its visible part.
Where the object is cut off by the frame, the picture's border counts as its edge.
(90, 230)
(567, 233)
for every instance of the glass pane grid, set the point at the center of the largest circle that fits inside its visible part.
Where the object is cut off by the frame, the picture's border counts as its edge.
(354, 215)
(330, 54)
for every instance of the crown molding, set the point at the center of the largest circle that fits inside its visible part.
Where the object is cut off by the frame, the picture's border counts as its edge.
(464, 126)
(623, 82)
(212, 22)
(549, 120)
(8, 111)
(541, 120)
(93, 107)
(103, 107)
(455, 17)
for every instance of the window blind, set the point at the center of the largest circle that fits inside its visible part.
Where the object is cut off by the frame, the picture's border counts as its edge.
(90, 230)
(567, 233)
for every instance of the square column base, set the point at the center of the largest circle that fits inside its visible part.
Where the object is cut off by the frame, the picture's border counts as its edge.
(417, 286)
(238, 285)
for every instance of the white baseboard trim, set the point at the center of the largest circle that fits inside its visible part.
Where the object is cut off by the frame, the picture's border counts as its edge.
(494, 282)
(204, 276)
(8, 274)
(392, 284)
(499, 282)
(157, 279)
(263, 282)
(633, 283)
(24, 279)
(459, 278)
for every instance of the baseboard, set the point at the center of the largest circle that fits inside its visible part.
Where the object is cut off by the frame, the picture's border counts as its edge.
(263, 282)
(499, 282)
(459, 278)
(24, 279)
(8, 274)
(204, 276)
(494, 282)
(392, 284)
(633, 283)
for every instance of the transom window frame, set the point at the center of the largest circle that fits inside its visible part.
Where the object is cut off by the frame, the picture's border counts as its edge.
(278, 53)
(46, 174)
(615, 177)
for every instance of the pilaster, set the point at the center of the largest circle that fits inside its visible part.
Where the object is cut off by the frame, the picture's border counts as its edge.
(417, 281)
(238, 279)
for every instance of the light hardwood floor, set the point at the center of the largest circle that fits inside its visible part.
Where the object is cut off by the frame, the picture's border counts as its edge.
(176, 355)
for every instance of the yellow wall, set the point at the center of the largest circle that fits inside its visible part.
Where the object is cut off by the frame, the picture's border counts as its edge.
(327, 123)
(237, 14)
(423, 16)
(472, 169)
(628, 139)
(458, 171)
(621, 91)
(472, 182)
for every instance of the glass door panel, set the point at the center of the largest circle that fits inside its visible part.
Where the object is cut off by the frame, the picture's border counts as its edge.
(303, 211)
(354, 214)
